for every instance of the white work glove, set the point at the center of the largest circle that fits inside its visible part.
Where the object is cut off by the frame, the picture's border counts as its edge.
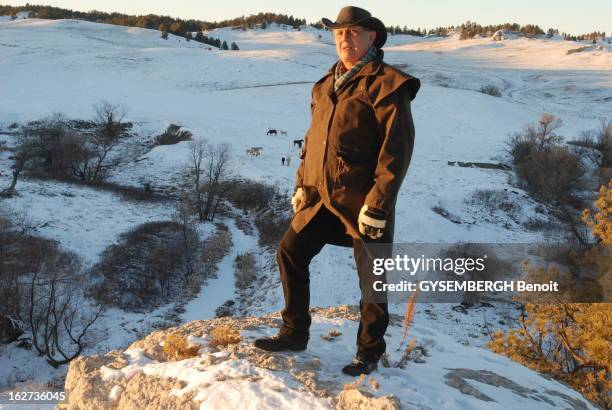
(371, 222)
(297, 198)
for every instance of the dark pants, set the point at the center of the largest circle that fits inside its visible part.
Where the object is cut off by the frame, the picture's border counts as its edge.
(294, 254)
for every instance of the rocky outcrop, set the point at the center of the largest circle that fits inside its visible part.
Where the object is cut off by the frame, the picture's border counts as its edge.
(237, 375)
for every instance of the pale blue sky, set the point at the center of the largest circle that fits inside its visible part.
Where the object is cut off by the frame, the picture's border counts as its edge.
(567, 15)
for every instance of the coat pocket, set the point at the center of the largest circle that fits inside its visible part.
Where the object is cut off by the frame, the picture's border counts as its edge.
(352, 175)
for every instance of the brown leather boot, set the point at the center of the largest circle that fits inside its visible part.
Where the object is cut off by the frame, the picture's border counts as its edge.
(282, 341)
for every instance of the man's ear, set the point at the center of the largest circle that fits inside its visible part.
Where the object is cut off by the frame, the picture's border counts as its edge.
(372, 36)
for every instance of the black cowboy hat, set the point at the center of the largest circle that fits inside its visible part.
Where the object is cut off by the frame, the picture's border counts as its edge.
(355, 16)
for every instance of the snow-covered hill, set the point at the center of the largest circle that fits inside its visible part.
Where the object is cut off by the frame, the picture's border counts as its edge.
(235, 97)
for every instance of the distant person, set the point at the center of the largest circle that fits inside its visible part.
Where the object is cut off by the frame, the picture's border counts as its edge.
(353, 164)
(288, 160)
(283, 161)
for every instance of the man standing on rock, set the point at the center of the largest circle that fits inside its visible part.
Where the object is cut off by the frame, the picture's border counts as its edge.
(356, 154)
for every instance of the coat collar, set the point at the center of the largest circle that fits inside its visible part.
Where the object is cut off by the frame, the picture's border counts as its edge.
(371, 68)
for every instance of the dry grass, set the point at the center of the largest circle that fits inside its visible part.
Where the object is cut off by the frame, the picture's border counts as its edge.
(356, 384)
(408, 317)
(224, 335)
(177, 347)
(332, 335)
(360, 383)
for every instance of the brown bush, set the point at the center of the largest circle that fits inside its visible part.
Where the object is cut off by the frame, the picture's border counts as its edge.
(245, 269)
(551, 174)
(271, 226)
(224, 335)
(494, 269)
(148, 267)
(173, 135)
(549, 171)
(177, 347)
(56, 145)
(250, 195)
(520, 148)
(215, 248)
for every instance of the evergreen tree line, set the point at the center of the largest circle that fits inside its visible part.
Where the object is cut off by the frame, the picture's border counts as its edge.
(471, 29)
(181, 27)
(201, 38)
(590, 36)
(222, 45)
(152, 21)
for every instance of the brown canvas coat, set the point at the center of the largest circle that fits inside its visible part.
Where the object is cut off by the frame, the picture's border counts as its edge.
(358, 146)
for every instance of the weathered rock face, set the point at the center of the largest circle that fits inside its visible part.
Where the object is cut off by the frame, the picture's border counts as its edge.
(113, 381)
(240, 376)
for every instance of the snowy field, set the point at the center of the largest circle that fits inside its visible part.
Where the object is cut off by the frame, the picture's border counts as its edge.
(234, 97)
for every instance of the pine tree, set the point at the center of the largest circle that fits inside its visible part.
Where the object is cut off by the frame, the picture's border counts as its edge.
(571, 341)
(199, 37)
(164, 31)
(234, 46)
(224, 45)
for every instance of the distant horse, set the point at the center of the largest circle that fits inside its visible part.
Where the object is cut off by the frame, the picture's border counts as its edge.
(272, 132)
(298, 143)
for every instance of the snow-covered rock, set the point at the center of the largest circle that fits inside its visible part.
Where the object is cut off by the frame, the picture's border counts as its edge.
(449, 376)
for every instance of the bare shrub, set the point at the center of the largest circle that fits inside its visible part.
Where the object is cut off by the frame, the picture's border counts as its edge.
(494, 268)
(208, 171)
(599, 140)
(552, 175)
(149, 266)
(14, 265)
(251, 195)
(173, 135)
(54, 146)
(535, 136)
(41, 285)
(21, 157)
(57, 307)
(245, 269)
(109, 128)
(491, 90)
(45, 142)
(547, 170)
(216, 247)
(536, 224)
(491, 200)
(215, 172)
(271, 226)
(520, 148)
(126, 192)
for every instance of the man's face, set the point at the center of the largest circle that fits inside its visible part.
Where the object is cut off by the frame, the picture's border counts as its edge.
(353, 42)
